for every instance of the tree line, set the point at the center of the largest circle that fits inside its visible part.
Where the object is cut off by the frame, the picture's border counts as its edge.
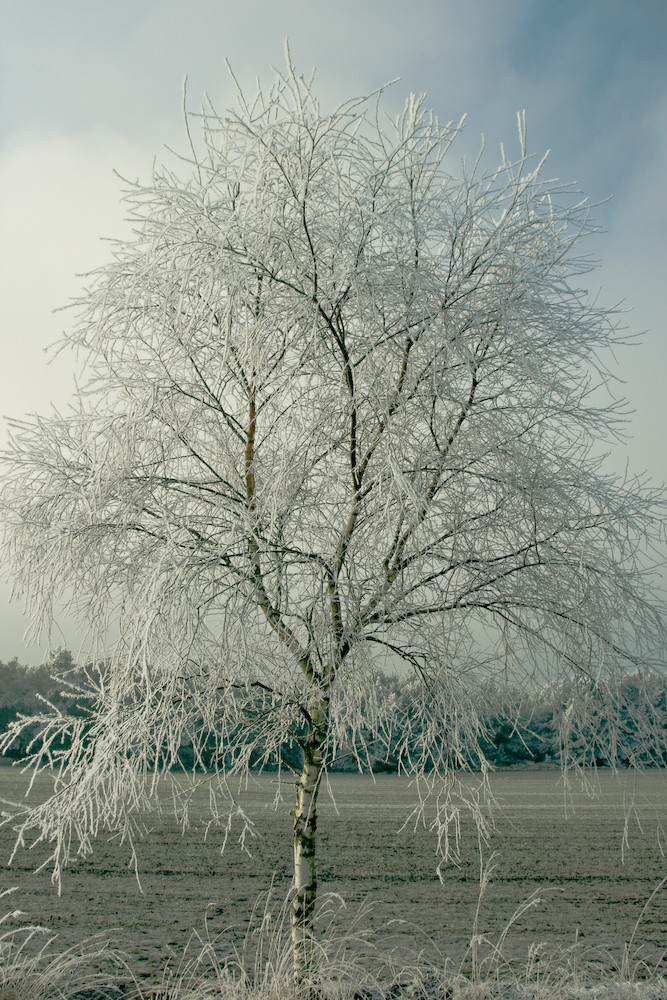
(598, 725)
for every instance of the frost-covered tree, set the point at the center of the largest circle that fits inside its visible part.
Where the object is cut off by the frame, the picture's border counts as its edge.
(340, 412)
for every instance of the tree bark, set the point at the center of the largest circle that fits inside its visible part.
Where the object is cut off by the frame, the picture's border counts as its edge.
(305, 828)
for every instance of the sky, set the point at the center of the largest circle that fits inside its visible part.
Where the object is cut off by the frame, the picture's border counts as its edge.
(90, 91)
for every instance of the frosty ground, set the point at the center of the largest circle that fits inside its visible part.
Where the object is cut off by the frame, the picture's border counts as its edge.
(589, 893)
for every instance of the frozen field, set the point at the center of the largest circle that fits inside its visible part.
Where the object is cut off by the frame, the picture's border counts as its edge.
(590, 895)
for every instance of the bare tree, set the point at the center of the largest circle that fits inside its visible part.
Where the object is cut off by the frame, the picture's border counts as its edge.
(341, 411)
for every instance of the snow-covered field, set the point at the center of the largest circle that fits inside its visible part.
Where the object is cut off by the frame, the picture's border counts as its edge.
(588, 898)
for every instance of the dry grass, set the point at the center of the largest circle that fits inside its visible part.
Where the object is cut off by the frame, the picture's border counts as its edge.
(349, 967)
(33, 968)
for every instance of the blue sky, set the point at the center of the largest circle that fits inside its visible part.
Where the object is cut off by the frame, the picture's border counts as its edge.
(86, 88)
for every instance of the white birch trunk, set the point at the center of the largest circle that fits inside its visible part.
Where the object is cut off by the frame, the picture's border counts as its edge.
(305, 828)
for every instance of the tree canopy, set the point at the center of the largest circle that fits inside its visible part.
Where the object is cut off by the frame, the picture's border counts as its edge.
(340, 409)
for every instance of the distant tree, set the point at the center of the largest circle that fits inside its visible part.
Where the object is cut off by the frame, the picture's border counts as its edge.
(22, 687)
(623, 724)
(519, 726)
(340, 412)
(34, 691)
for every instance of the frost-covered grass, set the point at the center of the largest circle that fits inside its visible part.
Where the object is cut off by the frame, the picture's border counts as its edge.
(31, 972)
(348, 967)
(32, 967)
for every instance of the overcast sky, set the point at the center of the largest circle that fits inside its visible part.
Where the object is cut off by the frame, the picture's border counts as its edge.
(88, 88)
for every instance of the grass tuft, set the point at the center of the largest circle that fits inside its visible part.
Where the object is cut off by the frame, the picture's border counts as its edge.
(349, 966)
(31, 967)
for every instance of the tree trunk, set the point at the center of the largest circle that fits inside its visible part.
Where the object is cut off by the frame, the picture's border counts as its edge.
(305, 826)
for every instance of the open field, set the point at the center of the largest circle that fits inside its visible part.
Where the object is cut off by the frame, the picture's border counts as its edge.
(590, 895)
